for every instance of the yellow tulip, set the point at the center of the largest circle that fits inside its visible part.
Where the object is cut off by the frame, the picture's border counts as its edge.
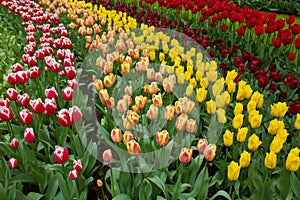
(279, 109)
(199, 75)
(227, 96)
(276, 145)
(204, 82)
(189, 90)
(231, 87)
(282, 134)
(245, 159)
(238, 109)
(201, 94)
(293, 160)
(270, 160)
(221, 116)
(218, 87)
(251, 106)
(212, 75)
(253, 142)
(237, 121)
(231, 75)
(248, 91)
(258, 98)
(274, 126)
(211, 107)
(228, 138)
(297, 122)
(233, 171)
(256, 121)
(221, 100)
(242, 134)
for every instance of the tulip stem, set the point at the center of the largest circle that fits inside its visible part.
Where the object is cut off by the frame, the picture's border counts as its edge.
(65, 175)
(10, 129)
(175, 192)
(112, 182)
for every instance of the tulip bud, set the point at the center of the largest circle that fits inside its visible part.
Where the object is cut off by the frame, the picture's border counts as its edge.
(25, 116)
(109, 80)
(152, 113)
(245, 159)
(210, 152)
(116, 135)
(127, 137)
(61, 154)
(181, 122)
(77, 165)
(233, 171)
(73, 174)
(23, 100)
(107, 155)
(29, 135)
(67, 93)
(37, 105)
(185, 155)
(12, 163)
(191, 126)
(64, 118)
(111, 103)
(104, 96)
(133, 147)
(202, 144)
(270, 160)
(75, 113)
(162, 138)
(14, 143)
(157, 100)
(12, 94)
(51, 93)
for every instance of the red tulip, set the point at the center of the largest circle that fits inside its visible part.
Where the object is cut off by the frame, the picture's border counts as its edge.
(17, 67)
(21, 77)
(77, 165)
(12, 94)
(12, 163)
(259, 29)
(73, 174)
(11, 78)
(6, 113)
(29, 135)
(67, 93)
(297, 42)
(277, 42)
(37, 105)
(291, 56)
(34, 72)
(64, 118)
(14, 143)
(25, 116)
(61, 154)
(51, 93)
(185, 155)
(50, 106)
(291, 19)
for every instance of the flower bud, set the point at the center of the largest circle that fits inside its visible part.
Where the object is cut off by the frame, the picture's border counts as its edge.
(73, 174)
(210, 152)
(26, 116)
(107, 156)
(253, 142)
(67, 93)
(23, 100)
(133, 147)
(61, 154)
(152, 113)
(12, 163)
(162, 138)
(14, 143)
(116, 135)
(77, 165)
(12, 94)
(128, 136)
(29, 135)
(185, 155)
(202, 144)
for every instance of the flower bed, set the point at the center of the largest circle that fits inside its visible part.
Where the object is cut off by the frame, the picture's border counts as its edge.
(161, 100)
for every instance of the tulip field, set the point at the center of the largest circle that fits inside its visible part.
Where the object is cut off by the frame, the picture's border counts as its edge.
(149, 99)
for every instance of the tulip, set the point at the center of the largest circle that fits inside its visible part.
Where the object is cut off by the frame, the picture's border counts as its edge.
(37, 105)
(25, 116)
(50, 106)
(258, 98)
(251, 106)
(133, 147)
(127, 137)
(128, 90)
(211, 107)
(107, 156)
(242, 134)
(221, 100)
(279, 109)
(98, 85)
(255, 120)
(6, 113)
(104, 96)
(189, 90)
(276, 145)
(116, 135)
(12, 94)
(212, 75)
(210, 152)
(12, 163)
(237, 121)
(14, 143)
(162, 138)
(297, 122)
(221, 116)
(157, 100)
(61, 154)
(201, 94)
(152, 113)
(132, 117)
(202, 144)
(245, 159)
(293, 160)
(185, 155)
(181, 122)
(191, 126)
(67, 93)
(70, 72)
(150, 73)
(253, 142)
(228, 138)
(29, 135)
(73, 174)
(233, 171)
(153, 88)
(270, 160)
(231, 87)
(141, 101)
(109, 80)
(21, 77)
(169, 112)
(274, 126)
(64, 118)
(23, 100)
(282, 135)
(77, 165)
(75, 113)
(51, 93)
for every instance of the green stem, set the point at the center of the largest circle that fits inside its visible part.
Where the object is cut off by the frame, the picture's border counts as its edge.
(178, 182)
(112, 182)
(65, 175)
(10, 129)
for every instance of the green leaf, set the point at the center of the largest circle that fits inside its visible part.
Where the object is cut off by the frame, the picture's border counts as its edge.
(158, 182)
(295, 183)
(285, 184)
(221, 193)
(52, 188)
(122, 196)
(34, 196)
